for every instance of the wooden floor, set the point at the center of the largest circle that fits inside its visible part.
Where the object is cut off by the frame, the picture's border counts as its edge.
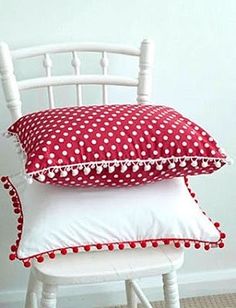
(216, 301)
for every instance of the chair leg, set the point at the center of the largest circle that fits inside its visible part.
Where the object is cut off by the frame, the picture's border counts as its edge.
(171, 293)
(49, 296)
(33, 292)
(130, 294)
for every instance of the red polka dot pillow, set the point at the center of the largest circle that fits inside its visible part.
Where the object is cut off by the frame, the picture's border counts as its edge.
(115, 145)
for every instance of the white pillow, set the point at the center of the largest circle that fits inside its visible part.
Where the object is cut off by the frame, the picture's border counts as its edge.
(56, 219)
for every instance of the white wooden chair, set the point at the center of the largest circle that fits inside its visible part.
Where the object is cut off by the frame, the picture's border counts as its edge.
(85, 268)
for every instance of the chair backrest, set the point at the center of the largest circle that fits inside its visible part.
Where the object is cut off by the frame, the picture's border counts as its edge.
(12, 86)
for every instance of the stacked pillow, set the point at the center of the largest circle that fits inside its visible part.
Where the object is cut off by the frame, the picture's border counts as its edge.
(107, 147)
(117, 145)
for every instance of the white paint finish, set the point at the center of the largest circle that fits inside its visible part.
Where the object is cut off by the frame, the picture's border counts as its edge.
(76, 64)
(70, 47)
(130, 295)
(104, 64)
(100, 267)
(171, 292)
(107, 266)
(106, 295)
(145, 71)
(33, 292)
(9, 83)
(195, 71)
(142, 297)
(70, 80)
(48, 299)
(47, 63)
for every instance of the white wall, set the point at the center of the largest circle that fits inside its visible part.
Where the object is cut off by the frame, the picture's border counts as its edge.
(195, 71)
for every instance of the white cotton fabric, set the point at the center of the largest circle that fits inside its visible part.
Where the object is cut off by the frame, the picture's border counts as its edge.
(55, 217)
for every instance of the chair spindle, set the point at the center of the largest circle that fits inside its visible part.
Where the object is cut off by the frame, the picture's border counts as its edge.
(47, 63)
(104, 64)
(75, 62)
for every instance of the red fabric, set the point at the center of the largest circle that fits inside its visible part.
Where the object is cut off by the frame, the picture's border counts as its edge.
(114, 145)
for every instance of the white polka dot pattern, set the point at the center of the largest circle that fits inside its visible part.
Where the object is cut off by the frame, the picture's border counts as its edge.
(116, 145)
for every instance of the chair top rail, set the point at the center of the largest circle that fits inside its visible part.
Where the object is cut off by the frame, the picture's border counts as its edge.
(70, 47)
(75, 79)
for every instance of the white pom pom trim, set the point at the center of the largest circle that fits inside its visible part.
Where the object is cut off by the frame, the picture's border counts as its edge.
(75, 172)
(41, 177)
(51, 174)
(194, 163)
(123, 168)
(87, 170)
(170, 163)
(63, 173)
(111, 169)
(182, 164)
(204, 164)
(159, 167)
(218, 164)
(171, 166)
(99, 169)
(135, 168)
(147, 167)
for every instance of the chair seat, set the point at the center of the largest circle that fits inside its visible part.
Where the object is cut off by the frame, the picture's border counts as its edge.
(105, 266)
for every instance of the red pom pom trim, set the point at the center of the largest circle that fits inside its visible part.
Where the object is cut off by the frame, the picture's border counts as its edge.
(19, 227)
(132, 244)
(166, 241)
(51, 255)
(187, 244)
(222, 235)
(121, 246)
(110, 247)
(13, 248)
(12, 257)
(154, 244)
(40, 259)
(143, 243)
(63, 251)
(11, 192)
(99, 246)
(177, 244)
(192, 194)
(87, 247)
(27, 264)
(20, 220)
(14, 199)
(75, 249)
(221, 245)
